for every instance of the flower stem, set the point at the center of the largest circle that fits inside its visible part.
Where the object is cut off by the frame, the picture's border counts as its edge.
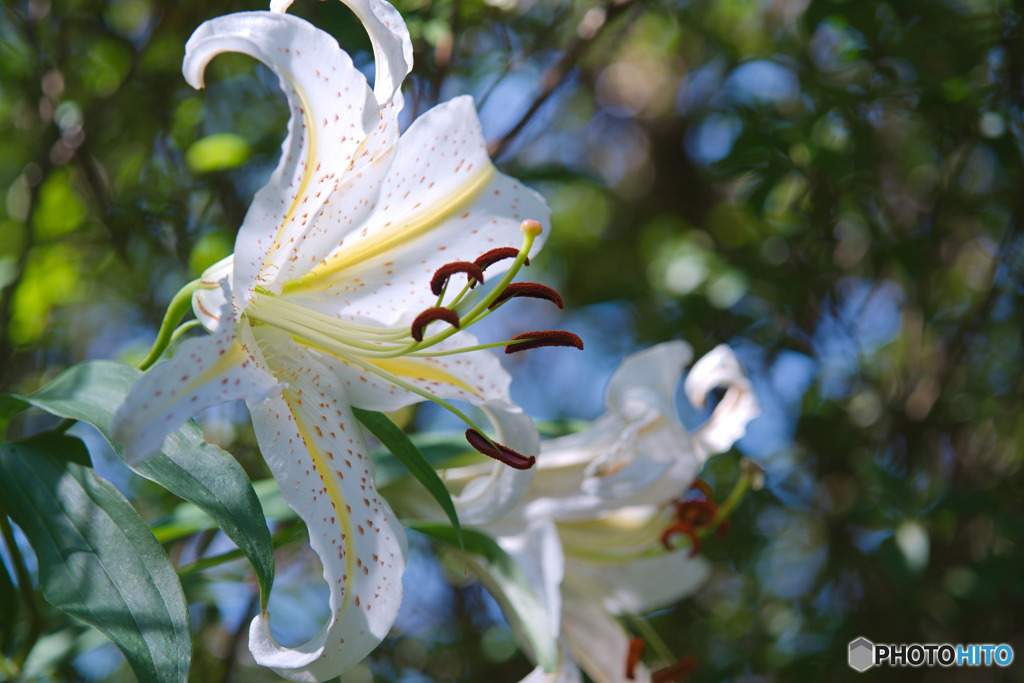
(181, 302)
(651, 636)
(183, 328)
(751, 477)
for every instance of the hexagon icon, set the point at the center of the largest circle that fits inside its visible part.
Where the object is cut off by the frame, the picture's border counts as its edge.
(862, 654)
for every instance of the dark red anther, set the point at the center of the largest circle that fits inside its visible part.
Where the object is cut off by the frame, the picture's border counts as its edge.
(681, 528)
(502, 454)
(440, 279)
(489, 258)
(636, 651)
(703, 487)
(430, 315)
(530, 289)
(697, 513)
(534, 340)
(673, 673)
(691, 516)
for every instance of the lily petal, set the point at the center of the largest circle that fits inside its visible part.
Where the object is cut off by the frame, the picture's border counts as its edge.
(567, 672)
(652, 373)
(639, 586)
(652, 462)
(473, 377)
(442, 201)
(354, 194)
(598, 642)
(651, 448)
(640, 455)
(205, 372)
(316, 451)
(333, 112)
(214, 293)
(728, 423)
(485, 494)
(392, 47)
(538, 552)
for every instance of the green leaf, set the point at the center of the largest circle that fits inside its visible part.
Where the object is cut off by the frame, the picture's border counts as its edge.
(98, 562)
(10, 405)
(507, 583)
(187, 467)
(9, 604)
(402, 448)
(441, 450)
(187, 519)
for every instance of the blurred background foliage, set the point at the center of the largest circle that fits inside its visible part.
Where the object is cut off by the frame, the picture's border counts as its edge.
(833, 187)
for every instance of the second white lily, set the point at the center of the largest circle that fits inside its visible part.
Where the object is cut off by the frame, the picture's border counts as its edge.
(596, 533)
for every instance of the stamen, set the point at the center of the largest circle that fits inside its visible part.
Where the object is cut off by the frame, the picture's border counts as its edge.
(489, 258)
(681, 528)
(699, 513)
(528, 289)
(502, 454)
(534, 340)
(430, 315)
(636, 651)
(673, 673)
(692, 516)
(440, 279)
(703, 487)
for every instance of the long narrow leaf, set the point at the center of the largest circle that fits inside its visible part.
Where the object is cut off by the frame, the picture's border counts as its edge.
(9, 604)
(507, 583)
(98, 560)
(402, 448)
(188, 467)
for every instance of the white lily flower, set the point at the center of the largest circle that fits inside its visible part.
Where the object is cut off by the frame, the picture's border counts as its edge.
(342, 263)
(593, 534)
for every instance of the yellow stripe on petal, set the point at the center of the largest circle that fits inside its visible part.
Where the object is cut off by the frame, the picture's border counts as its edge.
(419, 370)
(320, 462)
(309, 130)
(382, 241)
(234, 356)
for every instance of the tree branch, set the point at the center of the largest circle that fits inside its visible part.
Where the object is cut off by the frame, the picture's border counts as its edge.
(558, 72)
